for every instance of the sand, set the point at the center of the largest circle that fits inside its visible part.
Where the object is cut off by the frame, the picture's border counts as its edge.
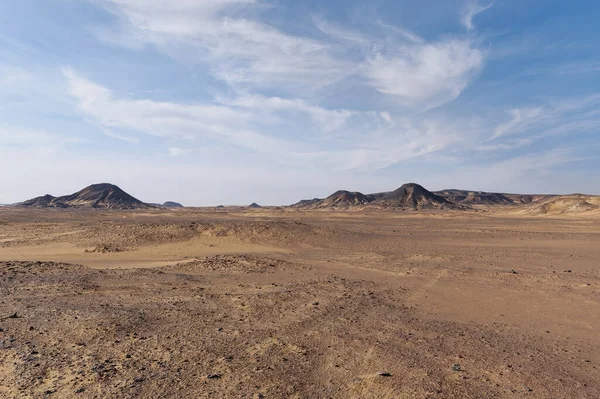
(264, 303)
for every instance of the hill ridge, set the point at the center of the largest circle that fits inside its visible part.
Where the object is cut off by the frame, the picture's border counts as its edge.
(100, 195)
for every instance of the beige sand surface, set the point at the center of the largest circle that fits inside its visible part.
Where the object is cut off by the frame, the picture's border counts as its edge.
(199, 303)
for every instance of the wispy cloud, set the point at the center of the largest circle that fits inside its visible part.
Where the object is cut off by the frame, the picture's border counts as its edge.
(471, 9)
(426, 75)
(328, 120)
(251, 55)
(518, 119)
(404, 33)
(241, 51)
(555, 117)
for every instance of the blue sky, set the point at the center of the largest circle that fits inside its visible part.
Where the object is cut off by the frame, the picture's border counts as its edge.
(235, 101)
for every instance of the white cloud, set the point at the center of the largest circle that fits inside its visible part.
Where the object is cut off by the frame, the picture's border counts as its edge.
(405, 34)
(341, 33)
(519, 119)
(249, 54)
(240, 51)
(426, 75)
(328, 120)
(241, 121)
(165, 119)
(471, 9)
(577, 115)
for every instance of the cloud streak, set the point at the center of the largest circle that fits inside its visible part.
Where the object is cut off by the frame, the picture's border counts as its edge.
(251, 55)
(425, 75)
(471, 9)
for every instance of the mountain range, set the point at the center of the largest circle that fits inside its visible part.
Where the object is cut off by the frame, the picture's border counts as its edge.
(415, 197)
(409, 196)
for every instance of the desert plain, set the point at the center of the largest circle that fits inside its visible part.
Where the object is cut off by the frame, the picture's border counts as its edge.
(289, 303)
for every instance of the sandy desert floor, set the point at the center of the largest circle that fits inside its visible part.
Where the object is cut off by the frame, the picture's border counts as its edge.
(295, 304)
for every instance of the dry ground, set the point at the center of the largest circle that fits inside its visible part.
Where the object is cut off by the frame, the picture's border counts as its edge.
(290, 304)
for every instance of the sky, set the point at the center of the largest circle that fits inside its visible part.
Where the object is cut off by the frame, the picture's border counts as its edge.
(209, 102)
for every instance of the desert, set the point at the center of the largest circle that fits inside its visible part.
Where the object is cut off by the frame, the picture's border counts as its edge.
(269, 199)
(493, 300)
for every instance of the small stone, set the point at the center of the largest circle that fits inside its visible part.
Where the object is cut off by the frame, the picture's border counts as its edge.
(213, 376)
(384, 374)
(456, 367)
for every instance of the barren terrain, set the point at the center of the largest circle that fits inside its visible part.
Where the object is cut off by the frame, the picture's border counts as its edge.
(287, 303)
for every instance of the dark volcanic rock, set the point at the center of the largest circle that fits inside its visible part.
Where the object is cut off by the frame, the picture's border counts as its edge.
(104, 195)
(39, 202)
(171, 204)
(474, 197)
(414, 196)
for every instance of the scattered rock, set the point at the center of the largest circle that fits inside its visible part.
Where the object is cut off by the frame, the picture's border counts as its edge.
(12, 316)
(213, 376)
(105, 248)
(456, 367)
(384, 374)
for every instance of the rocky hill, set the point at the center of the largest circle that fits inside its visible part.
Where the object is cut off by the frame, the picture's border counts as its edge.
(103, 196)
(408, 196)
(474, 197)
(415, 196)
(171, 204)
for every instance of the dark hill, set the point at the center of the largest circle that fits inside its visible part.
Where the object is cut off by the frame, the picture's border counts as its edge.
(39, 202)
(474, 197)
(171, 204)
(339, 199)
(307, 203)
(254, 205)
(343, 198)
(410, 195)
(104, 196)
(414, 196)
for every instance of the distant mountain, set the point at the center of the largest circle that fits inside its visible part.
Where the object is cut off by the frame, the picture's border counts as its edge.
(103, 196)
(254, 205)
(344, 198)
(564, 204)
(307, 203)
(474, 197)
(339, 199)
(171, 204)
(415, 196)
(408, 196)
(39, 202)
